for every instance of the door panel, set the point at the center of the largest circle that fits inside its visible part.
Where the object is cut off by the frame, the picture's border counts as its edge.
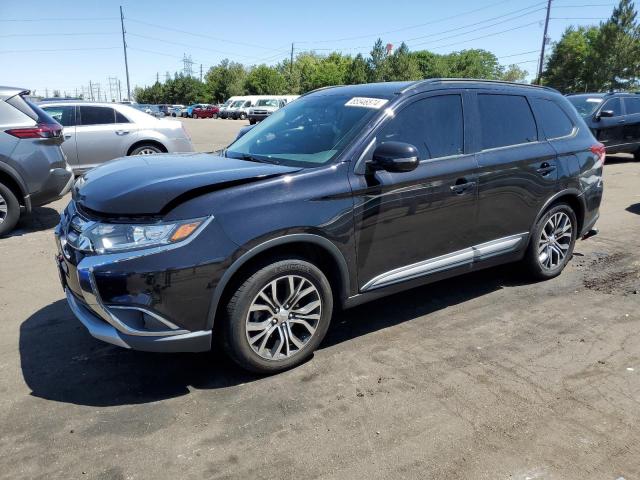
(99, 138)
(406, 218)
(631, 130)
(516, 172)
(610, 130)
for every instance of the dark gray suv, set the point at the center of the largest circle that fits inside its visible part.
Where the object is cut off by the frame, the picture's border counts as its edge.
(346, 195)
(33, 169)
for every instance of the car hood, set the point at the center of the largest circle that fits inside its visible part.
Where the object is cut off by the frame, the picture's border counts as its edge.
(153, 184)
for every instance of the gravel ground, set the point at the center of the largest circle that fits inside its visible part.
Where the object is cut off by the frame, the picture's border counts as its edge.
(482, 377)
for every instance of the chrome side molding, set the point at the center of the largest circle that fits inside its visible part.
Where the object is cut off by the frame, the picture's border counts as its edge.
(460, 258)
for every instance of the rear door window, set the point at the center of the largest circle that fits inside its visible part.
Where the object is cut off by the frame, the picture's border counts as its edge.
(433, 125)
(505, 120)
(555, 122)
(120, 118)
(90, 115)
(632, 105)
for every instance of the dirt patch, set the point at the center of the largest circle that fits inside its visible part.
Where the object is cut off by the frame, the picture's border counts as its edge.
(614, 273)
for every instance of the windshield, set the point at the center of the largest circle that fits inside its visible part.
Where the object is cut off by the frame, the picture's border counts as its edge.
(237, 103)
(309, 132)
(585, 104)
(267, 103)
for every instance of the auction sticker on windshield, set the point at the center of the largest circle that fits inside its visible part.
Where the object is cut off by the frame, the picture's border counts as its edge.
(366, 102)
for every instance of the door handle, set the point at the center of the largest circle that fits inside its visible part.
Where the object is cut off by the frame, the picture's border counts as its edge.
(122, 132)
(461, 186)
(545, 169)
(68, 135)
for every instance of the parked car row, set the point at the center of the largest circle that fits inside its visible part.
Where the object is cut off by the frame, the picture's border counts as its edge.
(253, 107)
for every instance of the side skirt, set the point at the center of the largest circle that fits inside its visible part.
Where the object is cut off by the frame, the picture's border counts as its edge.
(453, 260)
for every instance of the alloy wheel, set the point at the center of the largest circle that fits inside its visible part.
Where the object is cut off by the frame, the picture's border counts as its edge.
(555, 241)
(4, 209)
(283, 317)
(147, 151)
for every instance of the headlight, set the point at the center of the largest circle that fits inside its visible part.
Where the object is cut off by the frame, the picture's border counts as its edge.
(116, 237)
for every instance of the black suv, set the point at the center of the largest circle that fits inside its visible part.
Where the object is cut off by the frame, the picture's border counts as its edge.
(614, 119)
(343, 196)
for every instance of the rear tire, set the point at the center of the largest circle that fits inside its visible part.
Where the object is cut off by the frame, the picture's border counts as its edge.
(636, 155)
(214, 116)
(146, 149)
(552, 242)
(195, 115)
(9, 210)
(267, 333)
(243, 116)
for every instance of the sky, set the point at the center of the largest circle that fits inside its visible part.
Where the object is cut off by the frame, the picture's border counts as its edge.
(63, 44)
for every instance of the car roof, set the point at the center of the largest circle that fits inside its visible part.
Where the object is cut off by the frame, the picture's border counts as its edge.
(390, 89)
(603, 95)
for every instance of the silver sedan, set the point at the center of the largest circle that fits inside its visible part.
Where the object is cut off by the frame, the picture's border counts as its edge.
(98, 132)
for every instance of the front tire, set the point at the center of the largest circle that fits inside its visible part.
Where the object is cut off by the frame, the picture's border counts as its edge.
(195, 115)
(278, 316)
(552, 242)
(9, 210)
(636, 155)
(243, 116)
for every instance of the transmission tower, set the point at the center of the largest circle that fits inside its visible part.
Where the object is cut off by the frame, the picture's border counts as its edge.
(188, 65)
(113, 89)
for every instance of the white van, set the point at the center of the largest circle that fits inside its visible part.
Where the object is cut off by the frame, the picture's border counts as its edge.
(268, 104)
(226, 105)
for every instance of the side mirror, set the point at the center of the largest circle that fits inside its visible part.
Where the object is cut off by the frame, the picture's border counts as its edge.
(244, 130)
(605, 114)
(395, 157)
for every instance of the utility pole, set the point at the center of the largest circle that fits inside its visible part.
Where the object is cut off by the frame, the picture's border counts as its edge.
(119, 91)
(200, 72)
(544, 43)
(46, 93)
(124, 45)
(90, 89)
(291, 70)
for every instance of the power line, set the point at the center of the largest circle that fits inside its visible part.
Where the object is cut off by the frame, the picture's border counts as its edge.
(57, 50)
(62, 34)
(59, 19)
(185, 45)
(195, 34)
(468, 12)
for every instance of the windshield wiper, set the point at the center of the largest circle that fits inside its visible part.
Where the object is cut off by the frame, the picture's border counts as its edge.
(252, 158)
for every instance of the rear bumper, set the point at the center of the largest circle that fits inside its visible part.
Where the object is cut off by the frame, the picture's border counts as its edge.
(98, 328)
(57, 185)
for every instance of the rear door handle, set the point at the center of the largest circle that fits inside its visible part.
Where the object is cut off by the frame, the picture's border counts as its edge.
(461, 186)
(545, 169)
(122, 132)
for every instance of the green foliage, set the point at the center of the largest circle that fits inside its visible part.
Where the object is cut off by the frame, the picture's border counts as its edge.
(264, 80)
(402, 66)
(377, 61)
(226, 80)
(513, 73)
(358, 71)
(598, 58)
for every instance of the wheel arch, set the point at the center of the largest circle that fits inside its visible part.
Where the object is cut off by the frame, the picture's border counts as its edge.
(327, 257)
(13, 182)
(573, 198)
(147, 141)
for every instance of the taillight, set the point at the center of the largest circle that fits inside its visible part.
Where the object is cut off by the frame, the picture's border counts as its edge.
(42, 130)
(600, 151)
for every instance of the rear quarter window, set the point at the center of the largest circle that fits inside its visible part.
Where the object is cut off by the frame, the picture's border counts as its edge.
(554, 121)
(505, 120)
(632, 105)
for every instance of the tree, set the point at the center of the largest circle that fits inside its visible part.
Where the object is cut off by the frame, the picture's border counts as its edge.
(377, 60)
(474, 63)
(226, 80)
(358, 71)
(402, 66)
(617, 48)
(570, 66)
(264, 80)
(513, 73)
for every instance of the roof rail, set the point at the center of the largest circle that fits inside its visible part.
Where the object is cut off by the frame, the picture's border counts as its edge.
(480, 80)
